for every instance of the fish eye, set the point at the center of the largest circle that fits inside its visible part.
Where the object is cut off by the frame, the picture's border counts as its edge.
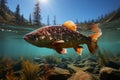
(35, 37)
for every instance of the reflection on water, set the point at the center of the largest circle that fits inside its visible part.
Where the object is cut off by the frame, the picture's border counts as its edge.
(12, 44)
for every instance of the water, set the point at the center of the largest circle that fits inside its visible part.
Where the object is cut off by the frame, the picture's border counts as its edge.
(12, 44)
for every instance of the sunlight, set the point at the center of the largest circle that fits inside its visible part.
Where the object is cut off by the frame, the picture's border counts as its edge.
(43, 1)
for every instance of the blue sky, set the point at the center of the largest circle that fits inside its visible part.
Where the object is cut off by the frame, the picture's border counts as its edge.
(66, 9)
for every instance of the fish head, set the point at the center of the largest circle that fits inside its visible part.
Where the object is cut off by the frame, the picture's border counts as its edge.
(35, 37)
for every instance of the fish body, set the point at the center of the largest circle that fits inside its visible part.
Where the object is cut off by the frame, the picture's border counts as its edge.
(59, 38)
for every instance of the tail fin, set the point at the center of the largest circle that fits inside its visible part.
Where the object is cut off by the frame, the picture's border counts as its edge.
(92, 46)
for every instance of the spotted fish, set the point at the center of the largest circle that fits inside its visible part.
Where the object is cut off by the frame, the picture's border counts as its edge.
(64, 36)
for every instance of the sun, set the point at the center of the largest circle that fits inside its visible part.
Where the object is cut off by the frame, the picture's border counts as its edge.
(43, 1)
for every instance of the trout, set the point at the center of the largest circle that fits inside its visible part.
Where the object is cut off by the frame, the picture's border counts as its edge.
(60, 37)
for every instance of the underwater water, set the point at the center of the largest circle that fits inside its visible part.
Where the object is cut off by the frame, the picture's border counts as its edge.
(12, 43)
(19, 59)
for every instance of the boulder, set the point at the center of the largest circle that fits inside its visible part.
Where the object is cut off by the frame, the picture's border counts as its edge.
(107, 73)
(81, 75)
(59, 74)
(50, 72)
(89, 66)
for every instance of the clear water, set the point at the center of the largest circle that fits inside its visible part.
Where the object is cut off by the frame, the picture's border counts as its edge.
(12, 44)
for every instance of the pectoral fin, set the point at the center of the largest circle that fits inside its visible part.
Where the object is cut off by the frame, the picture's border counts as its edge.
(57, 43)
(61, 50)
(78, 50)
(58, 48)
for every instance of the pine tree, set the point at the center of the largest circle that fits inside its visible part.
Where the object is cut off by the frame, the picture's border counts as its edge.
(77, 21)
(48, 22)
(54, 21)
(3, 8)
(17, 13)
(36, 14)
(3, 4)
(92, 21)
(22, 19)
(30, 20)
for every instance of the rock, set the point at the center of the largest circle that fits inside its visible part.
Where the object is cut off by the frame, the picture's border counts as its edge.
(80, 65)
(90, 63)
(89, 66)
(59, 77)
(81, 75)
(58, 70)
(107, 73)
(88, 69)
(78, 58)
(97, 69)
(63, 65)
(39, 60)
(59, 74)
(114, 64)
(54, 73)
(73, 68)
(67, 60)
(17, 66)
(93, 59)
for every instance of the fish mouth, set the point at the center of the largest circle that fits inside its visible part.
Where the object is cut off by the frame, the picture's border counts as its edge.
(25, 38)
(28, 39)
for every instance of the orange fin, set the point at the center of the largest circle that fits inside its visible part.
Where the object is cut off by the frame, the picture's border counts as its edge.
(78, 50)
(61, 50)
(70, 25)
(97, 32)
(92, 47)
(56, 46)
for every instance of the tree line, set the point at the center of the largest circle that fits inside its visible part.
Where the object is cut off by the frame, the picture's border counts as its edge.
(18, 18)
(35, 17)
(113, 15)
(9, 16)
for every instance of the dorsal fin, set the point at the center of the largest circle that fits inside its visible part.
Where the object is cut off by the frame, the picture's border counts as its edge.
(70, 25)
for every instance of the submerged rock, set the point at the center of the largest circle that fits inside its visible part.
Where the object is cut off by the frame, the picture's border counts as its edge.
(59, 74)
(63, 65)
(114, 63)
(107, 73)
(58, 70)
(17, 66)
(89, 65)
(39, 60)
(81, 75)
(59, 77)
(54, 73)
